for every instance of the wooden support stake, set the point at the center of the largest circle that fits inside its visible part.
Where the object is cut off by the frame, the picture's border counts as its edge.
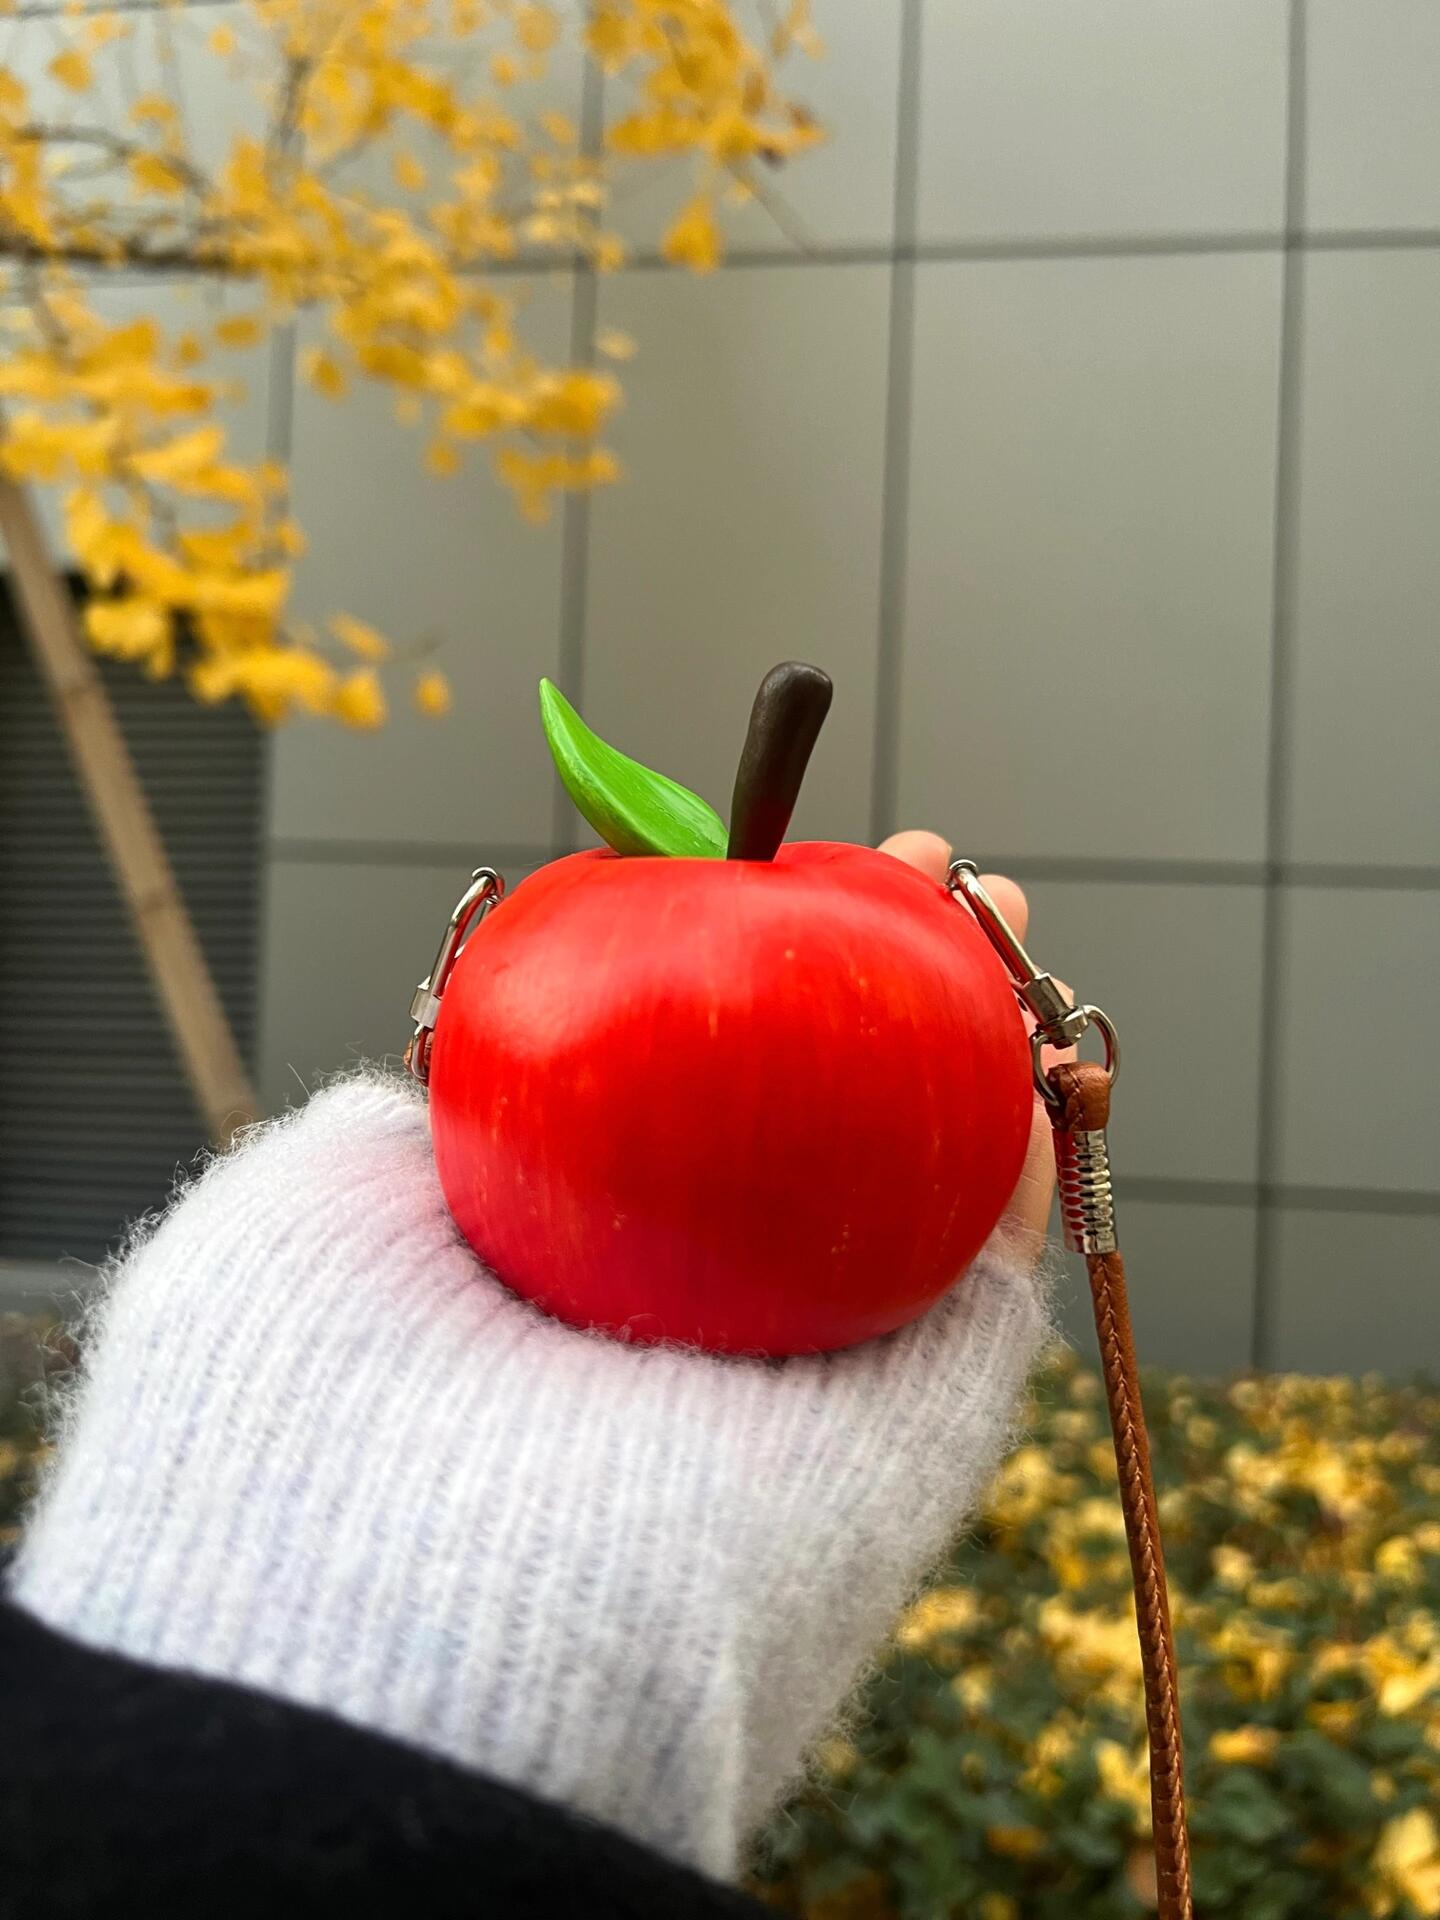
(177, 964)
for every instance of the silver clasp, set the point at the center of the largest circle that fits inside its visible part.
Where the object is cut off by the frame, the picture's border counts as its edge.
(486, 890)
(1059, 1022)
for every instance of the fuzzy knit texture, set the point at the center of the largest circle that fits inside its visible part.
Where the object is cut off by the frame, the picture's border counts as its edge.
(321, 1452)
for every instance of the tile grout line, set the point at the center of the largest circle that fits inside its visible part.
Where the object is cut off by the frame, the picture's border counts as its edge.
(408, 853)
(1061, 869)
(1171, 1190)
(575, 532)
(895, 471)
(279, 445)
(1269, 1116)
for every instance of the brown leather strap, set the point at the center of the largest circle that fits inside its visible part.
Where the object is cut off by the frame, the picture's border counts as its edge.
(1082, 1090)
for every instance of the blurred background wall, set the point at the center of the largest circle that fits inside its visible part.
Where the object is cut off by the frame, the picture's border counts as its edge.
(1083, 419)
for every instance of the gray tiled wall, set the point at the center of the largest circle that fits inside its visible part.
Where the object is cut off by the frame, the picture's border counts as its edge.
(1094, 444)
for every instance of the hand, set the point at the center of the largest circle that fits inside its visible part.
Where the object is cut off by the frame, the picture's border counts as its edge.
(1025, 1220)
(319, 1450)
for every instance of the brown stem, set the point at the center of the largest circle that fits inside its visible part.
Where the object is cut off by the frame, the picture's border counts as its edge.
(785, 723)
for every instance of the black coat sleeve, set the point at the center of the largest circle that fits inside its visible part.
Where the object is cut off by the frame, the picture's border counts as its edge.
(125, 1790)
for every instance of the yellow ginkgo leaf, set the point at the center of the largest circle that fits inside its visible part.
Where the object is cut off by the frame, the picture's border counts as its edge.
(258, 596)
(154, 109)
(127, 628)
(72, 69)
(101, 28)
(693, 239)
(409, 173)
(181, 457)
(324, 372)
(359, 636)
(614, 345)
(536, 28)
(360, 699)
(442, 458)
(222, 41)
(238, 330)
(153, 173)
(432, 694)
(35, 448)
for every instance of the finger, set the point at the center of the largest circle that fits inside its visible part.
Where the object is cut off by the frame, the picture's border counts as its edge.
(1010, 899)
(927, 851)
(1025, 1220)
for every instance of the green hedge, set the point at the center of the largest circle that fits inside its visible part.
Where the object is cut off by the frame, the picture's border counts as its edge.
(998, 1773)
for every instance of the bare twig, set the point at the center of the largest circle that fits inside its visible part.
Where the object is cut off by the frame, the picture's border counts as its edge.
(121, 150)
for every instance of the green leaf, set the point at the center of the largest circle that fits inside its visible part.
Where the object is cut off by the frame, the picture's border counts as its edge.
(632, 809)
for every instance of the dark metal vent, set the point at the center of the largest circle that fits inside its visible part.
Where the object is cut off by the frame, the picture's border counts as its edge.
(95, 1115)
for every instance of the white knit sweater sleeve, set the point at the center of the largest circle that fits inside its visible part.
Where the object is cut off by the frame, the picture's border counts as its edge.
(320, 1451)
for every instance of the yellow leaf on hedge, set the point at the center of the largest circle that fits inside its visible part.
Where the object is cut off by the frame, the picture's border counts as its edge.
(239, 330)
(71, 69)
(360, 700)
(432, 694)
(943, 1610)
(360, 637)
(693, 240)
(1244, 1746)
(1015, 1843)
(1407, 1860)
(1125, 1778)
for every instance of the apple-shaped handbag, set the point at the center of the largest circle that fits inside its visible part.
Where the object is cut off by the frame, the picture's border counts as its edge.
(704, 1085)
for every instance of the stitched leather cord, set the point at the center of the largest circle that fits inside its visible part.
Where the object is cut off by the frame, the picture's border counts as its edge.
(1082, 1091)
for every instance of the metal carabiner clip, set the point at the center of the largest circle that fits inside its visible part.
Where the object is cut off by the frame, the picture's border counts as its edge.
(1059, 1022)
(486, 890)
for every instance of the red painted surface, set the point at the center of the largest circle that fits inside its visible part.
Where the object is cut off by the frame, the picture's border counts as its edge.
(770, 1107)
